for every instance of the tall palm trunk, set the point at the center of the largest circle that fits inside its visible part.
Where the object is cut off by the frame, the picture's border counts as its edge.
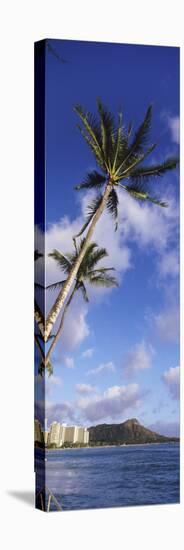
(56, 308)
(55, 339)
(39, 318)
(39, 347)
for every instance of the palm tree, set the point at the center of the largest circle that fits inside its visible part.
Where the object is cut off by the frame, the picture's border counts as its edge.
(88, 272)
(121, 160)
(39, 318)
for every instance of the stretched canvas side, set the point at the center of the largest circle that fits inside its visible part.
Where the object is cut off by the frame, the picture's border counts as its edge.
(39, 264)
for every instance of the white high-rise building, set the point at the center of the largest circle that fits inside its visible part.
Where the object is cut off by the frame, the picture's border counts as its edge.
(71, 434)
(83, 435)
(37, 431)
(61, 433)
(45, 437)
(54, 436)
(86, 436)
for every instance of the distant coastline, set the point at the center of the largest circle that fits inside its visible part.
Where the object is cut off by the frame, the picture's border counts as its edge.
(130, 432)
(172, 441)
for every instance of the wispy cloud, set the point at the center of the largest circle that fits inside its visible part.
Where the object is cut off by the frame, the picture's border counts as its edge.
(171, 378)
(104, 367)
(139, 358)
(166, 324)
(88, 353)
(174, 126)
(169, 264)
(69, 362)
(85, 388)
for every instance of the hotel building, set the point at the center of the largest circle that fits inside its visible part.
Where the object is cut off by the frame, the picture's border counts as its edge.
(54, 434)
(38, 436)
(58, 434)
(83, 435)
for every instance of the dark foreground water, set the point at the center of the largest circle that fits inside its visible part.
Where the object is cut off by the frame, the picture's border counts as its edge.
(115, 476)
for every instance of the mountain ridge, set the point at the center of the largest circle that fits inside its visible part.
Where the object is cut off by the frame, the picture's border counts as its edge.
(129, 431)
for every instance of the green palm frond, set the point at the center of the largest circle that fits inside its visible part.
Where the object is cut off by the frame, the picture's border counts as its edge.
(93, 259)
(112, 205)
(158, 202)
(147, 172)
(91, 247)
(38, 286)
(53, 286)
(92, 208)
(49, 368)
(61, 260)
(92, 180)
(37, 255)
(42, 368)
(138, 193)
(104, 280)
(126, 167)
(107, 131)
(101, 270)
(82, 287)
(91, 133)
(142, 134)
(94, 148)
(130, 127)
(120, 146)
(84, 266)
(91, 124)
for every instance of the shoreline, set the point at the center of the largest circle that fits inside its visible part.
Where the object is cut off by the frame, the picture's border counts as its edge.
(112, 446)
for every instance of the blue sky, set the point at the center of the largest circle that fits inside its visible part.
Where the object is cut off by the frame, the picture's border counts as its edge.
(119, 356)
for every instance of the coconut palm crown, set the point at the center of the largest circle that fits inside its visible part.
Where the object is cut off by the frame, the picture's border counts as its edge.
(120, 158)
(88, 270)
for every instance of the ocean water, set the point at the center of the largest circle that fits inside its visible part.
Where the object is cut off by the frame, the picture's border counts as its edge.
(114, 476)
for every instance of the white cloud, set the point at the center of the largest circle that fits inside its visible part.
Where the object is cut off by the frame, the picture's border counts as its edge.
(174, 126)
(88, 353)
(169, 264)
(111, 404)
(139, 358)
(166, 324)
(148, 225)
(69, 362)
(62, 412)
(171, 377)
(76, 328)
(104, 367)
(85, 388)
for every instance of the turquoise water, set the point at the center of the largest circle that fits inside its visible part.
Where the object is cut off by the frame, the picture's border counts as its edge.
(114, 476)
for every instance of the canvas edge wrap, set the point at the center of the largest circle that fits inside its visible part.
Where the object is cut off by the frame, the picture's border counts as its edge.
(39, 224)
